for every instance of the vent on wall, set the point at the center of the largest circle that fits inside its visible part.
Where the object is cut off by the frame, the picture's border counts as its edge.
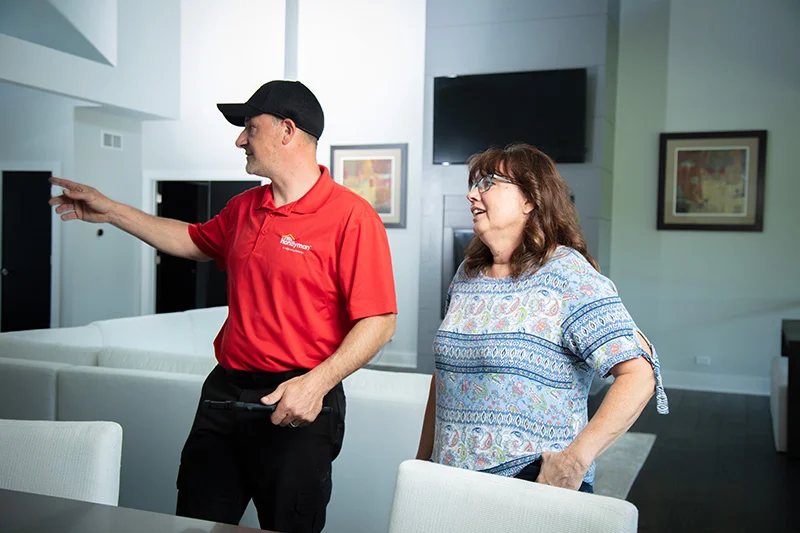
(111, 140)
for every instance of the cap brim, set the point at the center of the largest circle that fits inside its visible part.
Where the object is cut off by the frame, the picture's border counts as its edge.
(237, 113)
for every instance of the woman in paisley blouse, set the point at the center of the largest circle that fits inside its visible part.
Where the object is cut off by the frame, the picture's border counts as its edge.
(530, 321)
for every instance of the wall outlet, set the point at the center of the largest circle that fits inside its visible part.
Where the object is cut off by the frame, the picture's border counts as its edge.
(703, 360)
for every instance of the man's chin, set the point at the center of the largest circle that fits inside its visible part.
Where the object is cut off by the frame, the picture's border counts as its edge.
(251, 169)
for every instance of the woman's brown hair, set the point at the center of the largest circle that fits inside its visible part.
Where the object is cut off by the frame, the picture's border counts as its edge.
(553, 221)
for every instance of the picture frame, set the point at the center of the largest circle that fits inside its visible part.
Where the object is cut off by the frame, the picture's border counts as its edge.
(378, 173)
(712, 181)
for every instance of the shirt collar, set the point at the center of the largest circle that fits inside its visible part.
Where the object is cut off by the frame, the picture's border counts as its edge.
(310, 202)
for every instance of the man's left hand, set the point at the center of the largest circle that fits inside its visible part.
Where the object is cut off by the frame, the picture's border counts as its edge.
(560, 469)
(299, 401)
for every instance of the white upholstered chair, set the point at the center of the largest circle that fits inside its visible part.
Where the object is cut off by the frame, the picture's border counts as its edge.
(431, 498)
(75, 460)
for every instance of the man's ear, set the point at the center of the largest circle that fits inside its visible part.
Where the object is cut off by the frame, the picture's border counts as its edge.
(289, 130)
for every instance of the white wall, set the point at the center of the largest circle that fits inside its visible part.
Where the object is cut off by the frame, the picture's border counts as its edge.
(100, 271)
(97, 274)
(224, 57)
(36, 134)
(41, 125)
(479, 36)
(96, 21)
(144, 80)
(717, 294)
(365, 60)
(227, 51)
(36, 126)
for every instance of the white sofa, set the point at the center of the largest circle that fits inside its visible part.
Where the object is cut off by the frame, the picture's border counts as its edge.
(145, 373)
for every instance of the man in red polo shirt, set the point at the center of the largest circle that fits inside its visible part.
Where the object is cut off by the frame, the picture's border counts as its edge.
(310, 300)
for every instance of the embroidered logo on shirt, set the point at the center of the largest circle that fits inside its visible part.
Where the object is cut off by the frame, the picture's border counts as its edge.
(288, 240)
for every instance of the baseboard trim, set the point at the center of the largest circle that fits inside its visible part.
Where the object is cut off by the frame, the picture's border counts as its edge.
(395, 359)
(731, 383)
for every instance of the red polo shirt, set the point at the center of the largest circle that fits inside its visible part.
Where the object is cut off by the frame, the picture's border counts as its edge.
(298, 275)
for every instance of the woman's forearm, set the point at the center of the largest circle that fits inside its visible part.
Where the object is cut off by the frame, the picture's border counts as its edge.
(425, 449)
(622, 405)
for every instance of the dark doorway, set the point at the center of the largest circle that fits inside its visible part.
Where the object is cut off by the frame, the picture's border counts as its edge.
(27, 242)
(461, 239)
(182, 284)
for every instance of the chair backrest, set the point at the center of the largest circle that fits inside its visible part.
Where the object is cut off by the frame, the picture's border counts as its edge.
(75, 460)
(431, 498)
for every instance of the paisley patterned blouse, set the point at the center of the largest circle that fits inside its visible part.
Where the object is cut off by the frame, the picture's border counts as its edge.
(515, 359)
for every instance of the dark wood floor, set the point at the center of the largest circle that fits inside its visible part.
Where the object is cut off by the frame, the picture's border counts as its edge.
(713, 467)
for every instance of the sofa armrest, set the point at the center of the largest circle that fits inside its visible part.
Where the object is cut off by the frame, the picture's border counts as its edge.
(165, 332)
(32, 350)
(134, 359)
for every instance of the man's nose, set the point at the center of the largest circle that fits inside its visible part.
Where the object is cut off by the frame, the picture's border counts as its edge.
(241, 140)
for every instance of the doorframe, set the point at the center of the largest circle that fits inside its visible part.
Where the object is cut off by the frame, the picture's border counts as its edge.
(54, 167)
(150, 179)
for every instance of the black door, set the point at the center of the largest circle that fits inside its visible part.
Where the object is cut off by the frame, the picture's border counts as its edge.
(26, 251)
(182, 284)
(176, 278)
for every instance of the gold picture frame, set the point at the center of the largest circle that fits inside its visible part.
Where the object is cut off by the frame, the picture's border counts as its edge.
(712, 181)
(377, 172)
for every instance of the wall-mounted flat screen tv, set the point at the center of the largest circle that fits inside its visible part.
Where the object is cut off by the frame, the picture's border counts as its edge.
(544, 108)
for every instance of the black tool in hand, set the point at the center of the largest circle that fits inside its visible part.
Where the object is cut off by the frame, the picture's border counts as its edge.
(231, 405)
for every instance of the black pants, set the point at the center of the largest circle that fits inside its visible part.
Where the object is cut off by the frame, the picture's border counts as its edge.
(531, 472)
(232, 457)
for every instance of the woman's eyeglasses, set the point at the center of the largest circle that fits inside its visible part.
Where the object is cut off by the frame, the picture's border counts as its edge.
(485, 183)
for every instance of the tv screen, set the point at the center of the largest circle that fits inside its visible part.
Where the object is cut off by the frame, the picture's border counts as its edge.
(544, 108)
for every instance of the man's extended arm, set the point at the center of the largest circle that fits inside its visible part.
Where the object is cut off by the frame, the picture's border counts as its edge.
(86, 203)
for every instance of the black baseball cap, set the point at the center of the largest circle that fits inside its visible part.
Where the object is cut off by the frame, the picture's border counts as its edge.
(283, 99)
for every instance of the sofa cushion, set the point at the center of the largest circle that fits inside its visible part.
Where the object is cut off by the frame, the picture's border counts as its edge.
(155, 410)
(28, 389)
(206, 323)
(23, 348)
(135, 359)
(384, 412)
(77, 336)
(165, 332)
(388, 386)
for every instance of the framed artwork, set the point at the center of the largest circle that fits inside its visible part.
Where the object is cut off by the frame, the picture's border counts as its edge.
(378, 173)
(712, 181)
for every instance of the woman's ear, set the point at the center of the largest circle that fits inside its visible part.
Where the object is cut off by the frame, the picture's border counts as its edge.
(527, 207)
